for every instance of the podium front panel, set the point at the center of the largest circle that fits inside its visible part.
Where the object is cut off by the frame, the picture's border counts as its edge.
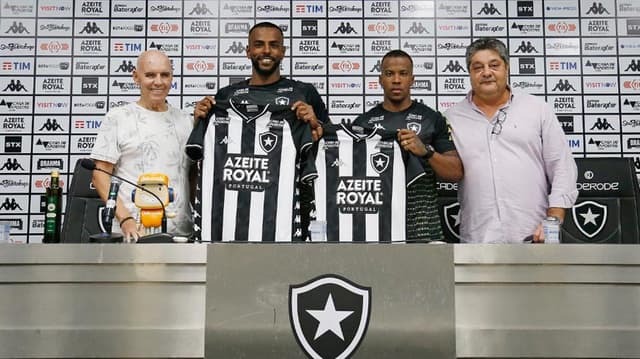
(273, 300)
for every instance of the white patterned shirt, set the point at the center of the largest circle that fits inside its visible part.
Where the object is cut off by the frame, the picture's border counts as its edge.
(139, 141)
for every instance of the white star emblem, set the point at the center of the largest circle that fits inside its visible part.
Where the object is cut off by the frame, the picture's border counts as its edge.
(380, 162)
(589, 217)
(268, 141)
(456, 218)
(329, 319)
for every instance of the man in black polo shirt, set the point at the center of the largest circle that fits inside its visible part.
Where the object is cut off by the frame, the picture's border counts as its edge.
(421, 131)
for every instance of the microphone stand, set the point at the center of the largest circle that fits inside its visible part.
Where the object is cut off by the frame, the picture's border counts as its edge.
(162, 237)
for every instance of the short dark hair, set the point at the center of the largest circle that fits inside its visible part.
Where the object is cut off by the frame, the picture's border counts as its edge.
(487, 43)
(397, 53)
(268, 25)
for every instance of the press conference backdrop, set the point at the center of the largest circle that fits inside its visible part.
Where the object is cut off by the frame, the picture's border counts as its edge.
(64, 64)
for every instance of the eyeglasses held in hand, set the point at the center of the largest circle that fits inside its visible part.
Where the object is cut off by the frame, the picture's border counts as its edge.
(497, 126)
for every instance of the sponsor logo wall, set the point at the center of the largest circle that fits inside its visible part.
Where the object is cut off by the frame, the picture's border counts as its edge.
(65, 63)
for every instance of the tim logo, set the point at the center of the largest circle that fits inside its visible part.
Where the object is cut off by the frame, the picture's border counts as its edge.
(268, 141)
(379, 161)
(329, 315)
(589, 217)
(451, 214)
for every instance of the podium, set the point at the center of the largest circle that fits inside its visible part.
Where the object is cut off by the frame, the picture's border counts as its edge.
(607, 209)
(292, 300)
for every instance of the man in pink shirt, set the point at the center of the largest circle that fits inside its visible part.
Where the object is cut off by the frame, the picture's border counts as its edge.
(518, 165)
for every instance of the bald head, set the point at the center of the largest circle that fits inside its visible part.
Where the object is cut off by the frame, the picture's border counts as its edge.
(152, 56)
(154, 75)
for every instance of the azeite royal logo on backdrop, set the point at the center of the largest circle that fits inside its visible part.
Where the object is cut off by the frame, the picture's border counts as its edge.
(329, 315)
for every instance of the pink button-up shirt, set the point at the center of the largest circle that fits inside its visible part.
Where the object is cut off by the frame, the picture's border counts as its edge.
(512, 174)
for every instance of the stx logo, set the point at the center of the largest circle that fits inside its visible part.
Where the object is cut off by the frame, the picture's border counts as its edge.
(526, 47)
(489, 9)
(417, 28)
(236, 48)
(10, 165)
(633, 66)
(525, 8)
(632, 84)
(164, 27)
(345, 66)
(602, 124)
(51, 125)
(17, 28)
(381, 28)
(453, 67)
(200, 9)
(15, 86)
(562, 27)
(563, 85)
(309, 28)
(527, 65)
(346, 28)
(91, 28)
(201, 66)
(54, 46)
(597, 9)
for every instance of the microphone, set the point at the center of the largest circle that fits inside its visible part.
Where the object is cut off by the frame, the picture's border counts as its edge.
(110, 208)
(162, 237)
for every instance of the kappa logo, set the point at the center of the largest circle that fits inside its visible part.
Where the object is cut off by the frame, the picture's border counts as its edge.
(379, 161)
(589, 217)
(268, 141)
(414, 126)
(329, 315)
(451, 214)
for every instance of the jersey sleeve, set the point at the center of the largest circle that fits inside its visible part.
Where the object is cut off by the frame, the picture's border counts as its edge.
(413, 166)
(442, 140)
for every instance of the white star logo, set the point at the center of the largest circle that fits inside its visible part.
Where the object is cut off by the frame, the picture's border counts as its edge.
(268, 141)
(456, 218)
(589, 217)
(380, 162)
(329, 319)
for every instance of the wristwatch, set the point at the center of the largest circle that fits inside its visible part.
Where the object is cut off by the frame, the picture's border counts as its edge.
(430, 152)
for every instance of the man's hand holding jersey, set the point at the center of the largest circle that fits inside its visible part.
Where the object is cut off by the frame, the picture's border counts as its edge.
(305, 112)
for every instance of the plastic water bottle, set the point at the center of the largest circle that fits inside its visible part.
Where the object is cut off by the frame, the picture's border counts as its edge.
(551, 228)
(318, 231)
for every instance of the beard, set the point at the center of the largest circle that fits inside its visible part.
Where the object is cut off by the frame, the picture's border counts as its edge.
(255, 62)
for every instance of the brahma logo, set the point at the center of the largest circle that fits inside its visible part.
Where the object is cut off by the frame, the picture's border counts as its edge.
(165, 28)
(345, 66)
(200, 66)
(632, 84)
(381, 27)
(329, 315)
(54, 47)
(562, 27)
